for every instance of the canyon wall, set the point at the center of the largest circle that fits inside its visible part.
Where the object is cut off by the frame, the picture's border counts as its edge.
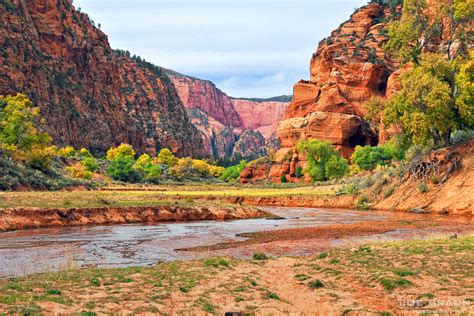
(348, 68)
(262, 115)
(230, 127)
(89, 95)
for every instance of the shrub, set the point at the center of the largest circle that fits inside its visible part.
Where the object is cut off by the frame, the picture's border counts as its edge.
(84, 153)
(166, 157)
(423, 187)
(462, 136)
(259, 256)
(283, 178)
(124, 150)
(354, 169)
(349, 189)
(122, 169)
(216, 171)
(369, 157)
(415, 153)
(78, 170)
(233, 172)
(316, 284)
(389, 191)
(298, 172)
(363, 203)
(90, 164)
(66, 152)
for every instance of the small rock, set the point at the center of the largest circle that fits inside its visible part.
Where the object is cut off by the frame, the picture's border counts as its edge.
(419, 210)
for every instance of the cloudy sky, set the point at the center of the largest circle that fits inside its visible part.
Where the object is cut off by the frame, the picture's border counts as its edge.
(249, 48)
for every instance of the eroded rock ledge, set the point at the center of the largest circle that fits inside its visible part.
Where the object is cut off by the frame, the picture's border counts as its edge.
(27, 218)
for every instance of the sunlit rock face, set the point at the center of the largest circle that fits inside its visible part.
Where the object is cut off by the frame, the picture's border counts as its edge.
(348, 68)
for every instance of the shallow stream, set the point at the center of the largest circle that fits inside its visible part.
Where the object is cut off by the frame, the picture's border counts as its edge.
(40, 250)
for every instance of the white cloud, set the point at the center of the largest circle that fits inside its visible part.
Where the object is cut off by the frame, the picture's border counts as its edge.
(224, 40)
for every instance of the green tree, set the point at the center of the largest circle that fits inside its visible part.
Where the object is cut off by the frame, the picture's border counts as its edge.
(408, 35)
(319, 153)
(336, 167)
(374, 107)
(436, 94)
(425, 107)
(121, 168)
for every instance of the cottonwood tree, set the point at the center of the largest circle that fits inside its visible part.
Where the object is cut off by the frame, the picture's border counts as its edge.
(436, 95)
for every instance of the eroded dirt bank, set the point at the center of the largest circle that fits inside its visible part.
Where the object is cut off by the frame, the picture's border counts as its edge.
(26, 218)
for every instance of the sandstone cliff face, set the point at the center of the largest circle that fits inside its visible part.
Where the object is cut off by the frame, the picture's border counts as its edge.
(348, 68)
(229, 127)
(204, 95)
(89, 95)
(263, 116)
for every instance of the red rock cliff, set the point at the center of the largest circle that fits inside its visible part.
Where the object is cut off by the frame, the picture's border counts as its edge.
(89, 95)
(229, 127)
(347, 69)
(204, 95)
(263, 116)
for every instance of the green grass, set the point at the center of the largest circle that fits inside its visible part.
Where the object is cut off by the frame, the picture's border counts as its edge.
(148, 196)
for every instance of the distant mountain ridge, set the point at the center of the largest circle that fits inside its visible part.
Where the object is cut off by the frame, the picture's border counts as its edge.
(230, 127)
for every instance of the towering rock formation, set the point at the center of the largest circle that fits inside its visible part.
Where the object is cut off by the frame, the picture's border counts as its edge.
(347, 69)
(230, 127)
(89, 95)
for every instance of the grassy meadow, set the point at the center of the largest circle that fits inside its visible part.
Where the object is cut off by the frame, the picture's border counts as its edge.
(147, 195)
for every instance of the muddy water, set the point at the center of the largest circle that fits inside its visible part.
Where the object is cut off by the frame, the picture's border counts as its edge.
(33, 251)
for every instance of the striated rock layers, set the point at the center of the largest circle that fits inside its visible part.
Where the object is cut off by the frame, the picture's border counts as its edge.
(89, 95)
(347, 69)
(230, 128)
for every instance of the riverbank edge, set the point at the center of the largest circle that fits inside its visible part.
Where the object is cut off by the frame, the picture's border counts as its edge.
(29, 218)
(328, 202)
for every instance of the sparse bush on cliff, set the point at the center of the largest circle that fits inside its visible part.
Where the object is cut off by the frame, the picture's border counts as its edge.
(324, 162)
